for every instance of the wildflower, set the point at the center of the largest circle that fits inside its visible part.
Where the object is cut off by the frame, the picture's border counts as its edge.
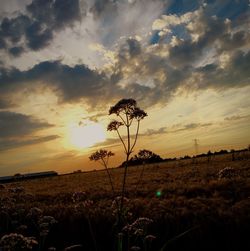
(138, 227)
(51, 249)
(138, 114)
(45, 224)
(117, 202)
(135, 248)
(123, 105)
(114, 125)
(18, 189)
(150, 237)
(227, 172)
(17, 242)
(78, 196)
(101, 154)
(103, 157)
(35, 213)
(74, 248)
(2, 187)
(127, 110)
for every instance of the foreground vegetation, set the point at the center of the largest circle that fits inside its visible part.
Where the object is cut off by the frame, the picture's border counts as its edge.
(182, 205)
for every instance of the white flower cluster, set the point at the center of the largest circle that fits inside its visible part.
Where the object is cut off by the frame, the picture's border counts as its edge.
(138, 227)
(227, 172)
(17, 242)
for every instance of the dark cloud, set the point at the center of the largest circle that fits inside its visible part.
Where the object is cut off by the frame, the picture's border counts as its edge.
(4, 104)
(38, 36)
(233, 41)
(101, 6)
(71, 83)
(36, 29)
(16, 130)
(208, 29)
(16, 51)
(235, 74)
(17, 125)
(7, 144)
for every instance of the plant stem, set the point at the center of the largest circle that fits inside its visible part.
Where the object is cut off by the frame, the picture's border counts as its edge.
(110, 179)
(136, 135)
(125, 172)
(140, 178)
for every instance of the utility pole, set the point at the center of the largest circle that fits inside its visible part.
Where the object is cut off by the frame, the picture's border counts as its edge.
(196, 146)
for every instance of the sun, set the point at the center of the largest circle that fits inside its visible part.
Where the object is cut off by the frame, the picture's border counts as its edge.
(84, 136)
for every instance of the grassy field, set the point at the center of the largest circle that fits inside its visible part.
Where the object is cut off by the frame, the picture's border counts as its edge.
(210, 207)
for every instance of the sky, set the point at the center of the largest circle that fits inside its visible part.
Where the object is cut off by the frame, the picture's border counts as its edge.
(63, 63)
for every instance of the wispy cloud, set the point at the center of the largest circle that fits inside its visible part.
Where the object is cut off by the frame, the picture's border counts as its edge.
(7, 144)
(16, 124)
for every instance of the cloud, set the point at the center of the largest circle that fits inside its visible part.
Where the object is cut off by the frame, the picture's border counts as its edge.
(123, 19)
(16, 130)
(16, 51)
(151, 132)
(70, 83)
(236, 117)
(94, 118)
(201, 51)
(7, 144)
(4, 104)
(188, 127)
(207, 52)
(17, 125)
(234, 74)
(109, 142)
(175, 128)
(36, 28)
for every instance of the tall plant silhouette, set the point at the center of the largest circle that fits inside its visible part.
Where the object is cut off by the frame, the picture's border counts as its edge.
(127, 112)
(102, 156)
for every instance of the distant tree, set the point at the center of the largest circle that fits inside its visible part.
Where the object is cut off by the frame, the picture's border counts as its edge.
(209, 154)
(148, 156)
(17, 176)
(143, 156)
(233, 154)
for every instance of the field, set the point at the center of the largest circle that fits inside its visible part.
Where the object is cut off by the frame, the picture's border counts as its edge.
(193, 205)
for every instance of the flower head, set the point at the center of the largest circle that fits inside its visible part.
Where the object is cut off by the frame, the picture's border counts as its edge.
(137, 114)
(126, 105)
(15, 241)
(114, 125)
(101, 154)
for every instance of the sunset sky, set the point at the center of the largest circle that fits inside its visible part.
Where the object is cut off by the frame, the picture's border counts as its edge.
(63, 63)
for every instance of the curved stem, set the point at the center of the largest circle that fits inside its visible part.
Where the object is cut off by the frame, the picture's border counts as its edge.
(121, 140)
(122, 119)
(128, 133)
(110, 179)
(136, 136)
(125, 173)
(131, 122)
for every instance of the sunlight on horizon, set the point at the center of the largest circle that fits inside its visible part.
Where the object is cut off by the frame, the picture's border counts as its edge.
(84, 136)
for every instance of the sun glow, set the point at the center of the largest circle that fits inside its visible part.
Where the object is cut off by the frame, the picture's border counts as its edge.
(83, 136)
